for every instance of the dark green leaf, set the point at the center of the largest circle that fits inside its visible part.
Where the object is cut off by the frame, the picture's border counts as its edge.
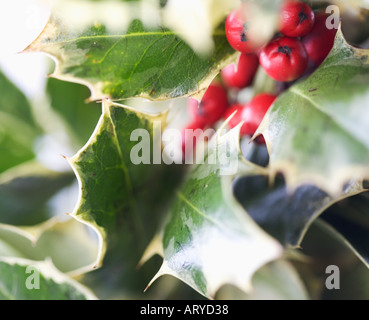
(350, 222)
(353, 285)
(18, 130)
(284, 214)
(69, 101)
(25, 190)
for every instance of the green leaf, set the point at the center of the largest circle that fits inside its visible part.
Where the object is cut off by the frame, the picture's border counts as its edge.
(18, 129)
(277, 280)
(317, 132)
(69, 244)
(209, 240)
(348, 221)
(25, 191)
(150, 63)
(22, 279)
(284, 214)
(121, 200)
(323, 247)
(353, 285)
(69, 102)
(124, 202)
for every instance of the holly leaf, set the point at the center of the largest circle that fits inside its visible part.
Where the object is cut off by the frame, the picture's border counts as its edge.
(149, 62)
(209, 240)
(284, 214)
(18, 130)
(277, 280)
(348, 221)
(323, 247)
(25, 191)
(22, 279)
(317, 131)
(353, 285)
(69, 244)
(120, 198)
(68, 100)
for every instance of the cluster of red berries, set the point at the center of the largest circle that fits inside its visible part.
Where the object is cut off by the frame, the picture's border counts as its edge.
(302, 40)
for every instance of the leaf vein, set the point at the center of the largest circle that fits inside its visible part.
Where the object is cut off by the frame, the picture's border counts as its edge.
(139, 61)
(325, 112)
(197, 210)
(129, 35)
(138, 224)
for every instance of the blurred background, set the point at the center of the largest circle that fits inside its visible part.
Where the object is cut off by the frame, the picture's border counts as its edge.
(62, 123)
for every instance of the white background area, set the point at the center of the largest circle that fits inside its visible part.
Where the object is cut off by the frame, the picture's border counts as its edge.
(21, 21)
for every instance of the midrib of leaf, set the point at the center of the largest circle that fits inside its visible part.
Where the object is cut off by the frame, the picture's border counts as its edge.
(298, 92)
(197, 210)
(139, 61)
(132, 200)
(78, 61)
(166, 63)
(216, 33)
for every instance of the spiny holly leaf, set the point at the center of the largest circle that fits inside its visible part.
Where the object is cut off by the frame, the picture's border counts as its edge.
(68, 244)
(25, 191)
(277, 280)
(353, 285)
(18, 129)
(317, 132)
(348, 221)
(22, 279)
(121, 199)
(209, 240)
(283, 214)
(69, 101)
(323, 247)
(151, 63)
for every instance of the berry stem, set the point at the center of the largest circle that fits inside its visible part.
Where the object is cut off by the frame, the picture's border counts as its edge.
(303, 16)
(285, 50)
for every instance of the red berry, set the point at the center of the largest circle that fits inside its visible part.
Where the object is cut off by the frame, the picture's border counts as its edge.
(319, 42)
(296, 19)
(241, 76)
(236, 32)
(212, 106)
(284, 59)
(237, 118)
(254, 112)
